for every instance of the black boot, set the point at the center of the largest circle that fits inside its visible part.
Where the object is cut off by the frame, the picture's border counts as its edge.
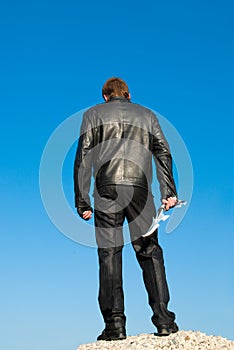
(114, 334)
(167, 329)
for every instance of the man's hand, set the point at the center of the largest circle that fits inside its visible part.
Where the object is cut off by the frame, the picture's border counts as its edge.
(169, 202)
(87, 215)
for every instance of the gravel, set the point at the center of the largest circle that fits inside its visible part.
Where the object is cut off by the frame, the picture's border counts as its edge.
(189, 340)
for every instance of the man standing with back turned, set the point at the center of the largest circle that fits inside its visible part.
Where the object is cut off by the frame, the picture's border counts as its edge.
(118, 141)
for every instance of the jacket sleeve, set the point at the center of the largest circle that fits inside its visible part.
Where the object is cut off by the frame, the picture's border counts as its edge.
(83, 166)
(163, 161)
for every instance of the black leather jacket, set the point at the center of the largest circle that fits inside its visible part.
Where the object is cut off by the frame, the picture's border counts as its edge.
(117, 142)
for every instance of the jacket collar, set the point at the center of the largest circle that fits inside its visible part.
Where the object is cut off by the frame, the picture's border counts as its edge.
(118, 98)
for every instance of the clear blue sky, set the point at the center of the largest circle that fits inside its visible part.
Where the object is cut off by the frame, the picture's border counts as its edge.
(177, 57)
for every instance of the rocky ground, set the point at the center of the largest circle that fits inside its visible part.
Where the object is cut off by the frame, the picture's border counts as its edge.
(189, 340)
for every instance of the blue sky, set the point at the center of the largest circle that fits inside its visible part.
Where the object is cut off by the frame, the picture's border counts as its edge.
(177, 57)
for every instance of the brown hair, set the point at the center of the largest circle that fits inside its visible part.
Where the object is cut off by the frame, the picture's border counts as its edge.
(115, 87)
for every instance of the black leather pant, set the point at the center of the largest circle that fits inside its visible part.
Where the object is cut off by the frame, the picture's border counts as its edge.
(112, 206)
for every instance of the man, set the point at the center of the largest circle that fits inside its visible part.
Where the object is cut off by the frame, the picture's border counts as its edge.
(118, 141)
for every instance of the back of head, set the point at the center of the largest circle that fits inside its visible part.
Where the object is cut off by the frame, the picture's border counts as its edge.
(115, 87)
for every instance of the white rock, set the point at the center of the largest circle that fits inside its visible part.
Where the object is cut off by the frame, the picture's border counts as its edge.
(182, 340)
